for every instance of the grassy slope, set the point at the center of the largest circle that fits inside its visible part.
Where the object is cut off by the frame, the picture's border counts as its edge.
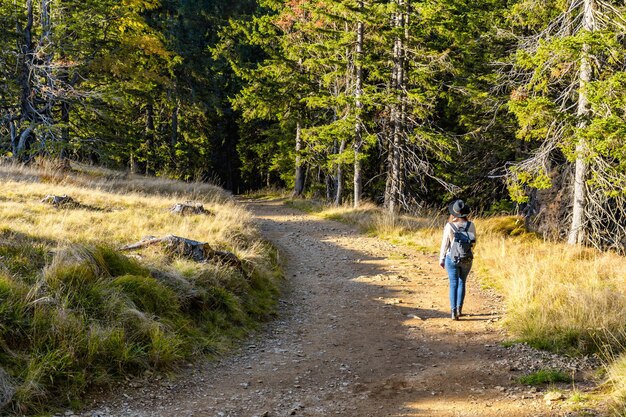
(75, 312)
(558, 297)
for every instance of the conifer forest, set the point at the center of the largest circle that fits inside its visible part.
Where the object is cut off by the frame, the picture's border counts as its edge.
(516, 106)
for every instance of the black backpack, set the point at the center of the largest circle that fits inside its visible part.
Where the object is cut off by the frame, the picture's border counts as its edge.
(461, 247)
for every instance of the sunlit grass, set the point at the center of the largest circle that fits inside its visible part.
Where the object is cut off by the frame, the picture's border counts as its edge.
(558, 297)
(76, 312)
(417, 232)
(269, 193)
(616, 380)
(115, 217)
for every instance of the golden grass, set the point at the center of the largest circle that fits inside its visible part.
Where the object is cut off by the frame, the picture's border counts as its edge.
(116, 217)
(99, 178)
(617, 381)
(557, 296)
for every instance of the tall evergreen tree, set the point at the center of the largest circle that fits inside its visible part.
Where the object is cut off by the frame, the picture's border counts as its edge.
(568, 74)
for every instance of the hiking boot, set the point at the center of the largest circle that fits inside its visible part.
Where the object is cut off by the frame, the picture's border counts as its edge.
(454, 315)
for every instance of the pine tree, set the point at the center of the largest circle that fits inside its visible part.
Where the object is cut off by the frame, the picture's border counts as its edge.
(568, 75)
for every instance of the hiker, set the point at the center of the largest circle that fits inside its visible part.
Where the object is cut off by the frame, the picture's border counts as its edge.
(455, 256)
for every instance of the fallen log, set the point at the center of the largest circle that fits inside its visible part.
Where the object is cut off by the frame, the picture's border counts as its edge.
(188, 248)
(184, 209)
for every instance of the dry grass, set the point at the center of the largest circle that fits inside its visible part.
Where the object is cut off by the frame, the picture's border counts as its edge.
(116, 211)
(617, 382)
(75, 312)
(557, 296)
(98, 178)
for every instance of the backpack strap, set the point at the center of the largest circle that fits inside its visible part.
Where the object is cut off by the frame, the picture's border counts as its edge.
(456, 229)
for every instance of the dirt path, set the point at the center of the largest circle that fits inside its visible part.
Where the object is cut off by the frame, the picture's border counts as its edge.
(363, 331)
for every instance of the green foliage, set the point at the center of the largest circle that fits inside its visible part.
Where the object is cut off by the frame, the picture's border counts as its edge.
(118, 264)
(22, 255)
(545, 376)
(556, 110)
(148, 295)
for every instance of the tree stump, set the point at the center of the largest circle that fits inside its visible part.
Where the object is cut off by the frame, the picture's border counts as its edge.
(184, 209)
(60, 201)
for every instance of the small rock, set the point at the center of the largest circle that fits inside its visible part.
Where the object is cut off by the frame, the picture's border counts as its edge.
(553, 396)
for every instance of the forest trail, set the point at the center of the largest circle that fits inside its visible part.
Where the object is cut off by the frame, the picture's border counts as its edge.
(363, 331)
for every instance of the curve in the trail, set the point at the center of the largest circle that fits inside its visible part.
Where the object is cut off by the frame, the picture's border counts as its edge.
(363, 331)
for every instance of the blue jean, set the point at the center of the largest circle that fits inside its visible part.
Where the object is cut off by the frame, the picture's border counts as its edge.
(457, 275)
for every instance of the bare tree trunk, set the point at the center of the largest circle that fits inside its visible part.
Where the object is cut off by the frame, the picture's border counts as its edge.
(65, 129)
(27, 111)
(330, 186)
(397, 113)
(13, 133)
(174, 135)
(25, 136)
(331, 177)
(358, 91)
(390, 151)
(44, 57)
(149, 137)
(339, 192)
(299, 180)
(576, 234)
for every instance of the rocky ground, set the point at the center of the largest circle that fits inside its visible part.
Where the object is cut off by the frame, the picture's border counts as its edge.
(364, 330)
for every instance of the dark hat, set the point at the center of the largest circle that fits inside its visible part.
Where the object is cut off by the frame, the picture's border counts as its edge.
(459, 209)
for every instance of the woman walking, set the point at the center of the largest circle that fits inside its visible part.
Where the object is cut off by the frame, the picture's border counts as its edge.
(459, 236)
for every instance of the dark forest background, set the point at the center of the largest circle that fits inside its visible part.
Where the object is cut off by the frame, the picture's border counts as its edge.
(511, 105)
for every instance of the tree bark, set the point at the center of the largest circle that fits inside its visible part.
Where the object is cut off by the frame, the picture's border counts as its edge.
(338, 194)
(358, 91)
(44, 56)
(576, 234)
(299, 179)
(14, 140)
(149, 137)
(65, 130)
(397, 113)
(27, 110)
(174, 135)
